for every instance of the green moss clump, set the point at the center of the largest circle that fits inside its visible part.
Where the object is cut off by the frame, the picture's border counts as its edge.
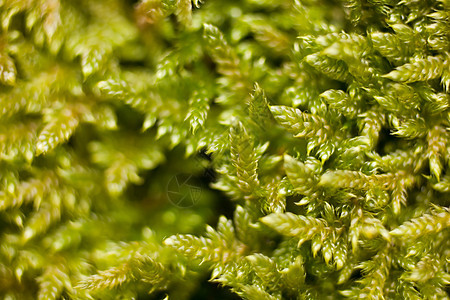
(126, 128)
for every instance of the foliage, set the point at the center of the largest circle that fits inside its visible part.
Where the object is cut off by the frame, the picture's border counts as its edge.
(324, 123)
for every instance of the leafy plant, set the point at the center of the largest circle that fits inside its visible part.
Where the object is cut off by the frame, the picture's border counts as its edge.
(324, 124)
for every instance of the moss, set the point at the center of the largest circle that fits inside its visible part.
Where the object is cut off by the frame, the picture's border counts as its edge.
(318, 128)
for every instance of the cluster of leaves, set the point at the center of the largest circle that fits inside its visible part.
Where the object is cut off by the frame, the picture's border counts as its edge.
(325, 122)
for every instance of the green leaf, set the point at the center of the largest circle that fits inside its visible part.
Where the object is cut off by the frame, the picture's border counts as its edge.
(303, 177)
(228, 64)
(53, 281)
(266, 269)
(335, 69)
(294, 276)
(245, 159)
(258, 107)
(340, 101)
(246, 230)
(301, 124)
(135, 269)
(420, 70)
(60, 125)
(292, 225)
(198, 111)
(433, 222)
